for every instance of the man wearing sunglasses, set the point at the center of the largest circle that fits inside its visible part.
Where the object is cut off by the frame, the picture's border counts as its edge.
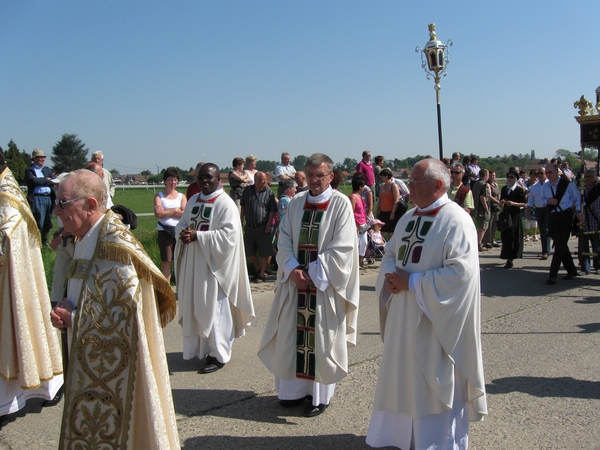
(116, 301)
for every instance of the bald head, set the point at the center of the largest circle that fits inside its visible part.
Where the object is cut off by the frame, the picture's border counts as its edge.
(96, 168)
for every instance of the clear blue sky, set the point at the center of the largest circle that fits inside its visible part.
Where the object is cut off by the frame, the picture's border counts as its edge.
(157, 83)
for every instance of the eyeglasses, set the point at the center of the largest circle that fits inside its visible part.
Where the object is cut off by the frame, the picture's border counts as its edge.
(413, 181)
(318, 176)
(541, 173)
(454, 172)
(62, 203)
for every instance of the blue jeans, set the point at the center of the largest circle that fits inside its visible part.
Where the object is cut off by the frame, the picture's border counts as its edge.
(42, 212)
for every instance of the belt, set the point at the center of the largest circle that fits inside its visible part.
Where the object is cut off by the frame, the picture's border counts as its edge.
(564, 211)
(256, 226)
(42, 195)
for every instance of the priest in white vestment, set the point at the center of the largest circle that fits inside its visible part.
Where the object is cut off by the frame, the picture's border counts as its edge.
(215, 303)
(117, 389)
(313, 317)
(30, 356)
(430, 381)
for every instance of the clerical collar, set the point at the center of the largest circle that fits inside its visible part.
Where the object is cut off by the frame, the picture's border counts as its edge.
(322, 197)
(439, 202)
(212, 195)
(93, 228)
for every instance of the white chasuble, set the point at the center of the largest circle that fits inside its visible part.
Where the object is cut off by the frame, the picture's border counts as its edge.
(324, 316)
(431, 374)
(212, 270)
(30, 356)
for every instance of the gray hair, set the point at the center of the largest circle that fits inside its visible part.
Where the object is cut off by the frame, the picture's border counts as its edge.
(87, 184)
(316, 159)
(98, 153)
(287, 183)
(437, 170)
(457, 165)
(589, 171)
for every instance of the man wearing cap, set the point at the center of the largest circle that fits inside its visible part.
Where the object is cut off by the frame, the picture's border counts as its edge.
(40, 193)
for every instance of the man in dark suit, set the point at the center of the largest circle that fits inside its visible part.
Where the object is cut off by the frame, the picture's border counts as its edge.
(40, 193)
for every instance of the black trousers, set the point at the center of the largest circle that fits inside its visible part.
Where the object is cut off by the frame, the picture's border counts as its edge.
(561, 231)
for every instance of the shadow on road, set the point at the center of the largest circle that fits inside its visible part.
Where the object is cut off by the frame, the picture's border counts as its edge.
(546, 387)
(288, 442)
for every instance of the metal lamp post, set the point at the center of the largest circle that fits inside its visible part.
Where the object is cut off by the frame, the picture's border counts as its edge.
(434, 59)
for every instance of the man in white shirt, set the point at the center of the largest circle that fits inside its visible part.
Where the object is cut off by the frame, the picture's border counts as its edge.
(537, 203)
(563, 200)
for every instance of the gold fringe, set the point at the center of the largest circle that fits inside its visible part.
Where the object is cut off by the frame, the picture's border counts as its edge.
(165, 297)
(7, 199)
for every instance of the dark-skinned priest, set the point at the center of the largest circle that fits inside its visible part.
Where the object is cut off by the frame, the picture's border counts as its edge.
(430, 382)
(212, 279)
(313, 316)
(117, 388)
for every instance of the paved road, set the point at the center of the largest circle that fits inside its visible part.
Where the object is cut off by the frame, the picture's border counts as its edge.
(541, 357)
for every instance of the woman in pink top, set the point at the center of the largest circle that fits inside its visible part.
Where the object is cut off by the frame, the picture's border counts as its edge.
(360, 215)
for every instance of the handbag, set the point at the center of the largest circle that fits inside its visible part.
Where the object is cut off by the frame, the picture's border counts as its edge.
(504, 221)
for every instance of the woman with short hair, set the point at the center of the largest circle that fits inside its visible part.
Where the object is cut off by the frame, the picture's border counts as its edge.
(168, 208)
(238, 180)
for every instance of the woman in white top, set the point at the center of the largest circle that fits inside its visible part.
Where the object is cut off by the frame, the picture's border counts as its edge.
(168, 208)
(251, 168)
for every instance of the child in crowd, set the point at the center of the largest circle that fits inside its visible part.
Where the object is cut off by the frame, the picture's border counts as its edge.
(376, 236)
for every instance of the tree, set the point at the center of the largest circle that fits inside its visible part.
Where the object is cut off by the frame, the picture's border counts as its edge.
(146, 172)
(299, 162)
(69, 154)
(17, 161)
(349, 165)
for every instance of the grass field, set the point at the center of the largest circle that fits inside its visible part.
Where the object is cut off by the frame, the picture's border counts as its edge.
(140, 201)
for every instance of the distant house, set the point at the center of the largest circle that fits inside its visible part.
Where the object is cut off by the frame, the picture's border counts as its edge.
(135, 179)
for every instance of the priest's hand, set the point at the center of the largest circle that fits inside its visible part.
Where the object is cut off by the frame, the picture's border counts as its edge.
(61, 314)
(188, 235)
(301, 278)
(397, 281)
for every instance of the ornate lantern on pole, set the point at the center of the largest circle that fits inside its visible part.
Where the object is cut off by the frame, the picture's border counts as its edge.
(434, 59)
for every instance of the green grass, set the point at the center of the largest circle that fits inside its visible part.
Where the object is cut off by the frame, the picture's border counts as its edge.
(139, 200)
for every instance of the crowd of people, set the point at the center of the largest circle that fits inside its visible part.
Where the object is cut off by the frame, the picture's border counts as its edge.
(111, 301)
(547, 199)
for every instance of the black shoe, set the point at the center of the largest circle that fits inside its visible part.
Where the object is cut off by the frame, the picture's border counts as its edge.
(551, 281)
(508, 265)
(292, 403)
(212, 365)
(569, 276)
(313, 411)
(56, 400)
(488, 245)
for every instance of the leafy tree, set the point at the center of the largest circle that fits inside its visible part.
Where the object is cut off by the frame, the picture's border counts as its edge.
(266, 166)
(69, 154)
(145, 172)
(299, 162)
(349, 165)
(17, 161)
